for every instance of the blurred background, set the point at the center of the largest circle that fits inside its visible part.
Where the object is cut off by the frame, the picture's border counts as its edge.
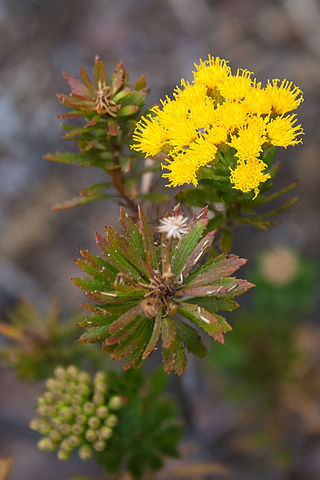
(254, 405)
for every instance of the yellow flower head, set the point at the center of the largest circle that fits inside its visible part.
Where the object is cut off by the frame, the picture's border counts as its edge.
(211, 73)
(150, 136)
(284, 97)
(185, 164)
(222, 111)
(236, 87)
(248, 175)
(249, 139)
(231, 116)
(283, 132)
(257, 100)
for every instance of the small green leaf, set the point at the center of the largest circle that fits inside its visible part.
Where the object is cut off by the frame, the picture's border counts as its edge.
(226, 240)
(191, 339)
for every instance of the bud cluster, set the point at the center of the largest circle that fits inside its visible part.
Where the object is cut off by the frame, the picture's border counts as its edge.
(76, 413)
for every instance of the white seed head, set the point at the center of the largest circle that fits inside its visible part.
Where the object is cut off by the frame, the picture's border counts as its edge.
(174, 226)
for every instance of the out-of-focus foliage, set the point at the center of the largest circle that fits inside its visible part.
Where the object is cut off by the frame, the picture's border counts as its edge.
(146, 289)
(38, 342)
(269, 370)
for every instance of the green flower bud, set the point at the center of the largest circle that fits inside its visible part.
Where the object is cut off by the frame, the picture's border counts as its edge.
(81, 419)
(91, 435)
(60, 373)
(49, 397)
(51, 384)
(77, 399)
(111, 421)
(46, 445)
(55, 436)
(34, 425)
(99, 445)
(65, 444)
(115, 403)
(72, 372)
(63, 454)
(104, 433)
(64, 428)
(100, 377)
(94, 423)
(77, 429)
(74, 441)
(71, 388)
(102, 411)
(85, 453)
(66, 414)
(84, 378)
(98, 399)
(88, 408)
(83, 390)
(41, 402)
(76, 409)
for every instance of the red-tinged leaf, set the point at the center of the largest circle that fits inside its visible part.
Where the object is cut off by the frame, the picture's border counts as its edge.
(238, 287)
(120, 337)
(181, 361)
(197, 253)
(103, 267)
(168, 332)
(92, 122)
(218, 271)
(125, 319)
(129, 253)
(191, 339)
(70, 115)
(186, 246)
(75, 102)
(204, 319)
(132, 233)
(151, 345)
(113, 127)
(206, 291)
(135, 358)
(140, 83)
(100, 73)
(94, 189)
(147, 237)
(86, 80)
(127, 111)
(76, 86)
(94, 335)
(132, 342)
(117, 77)
(201, 216)
(169, 357)
(76, 201)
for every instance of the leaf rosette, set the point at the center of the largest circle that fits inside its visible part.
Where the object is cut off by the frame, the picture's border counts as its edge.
(146, 289)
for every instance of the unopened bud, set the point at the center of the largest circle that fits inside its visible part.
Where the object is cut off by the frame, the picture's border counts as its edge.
(81, 419)
(105, 433)
(66, 414)
(60, 373)
(111, 421)
(102, 411)
(77, 429)
(91, 435)
(115, 403)
(45, 445)
(99, 445)
(63, 454)
(88, 408)
(94, 423)
(85, 453)
(84, 377)
(51, 384)
(98, 399)
(72, 372)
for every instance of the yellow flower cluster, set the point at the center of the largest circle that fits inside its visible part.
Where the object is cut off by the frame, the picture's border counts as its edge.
(218, 111)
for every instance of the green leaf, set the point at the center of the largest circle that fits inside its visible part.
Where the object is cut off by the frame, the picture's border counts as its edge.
(100, 73)
(186, 246)
(147, 237)
(226, 240)
(203, 319)
(154, 197)
(168, 332)
(76, 201)
(151, 345)
(191, 339)
(95, 335)
(94, 189)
